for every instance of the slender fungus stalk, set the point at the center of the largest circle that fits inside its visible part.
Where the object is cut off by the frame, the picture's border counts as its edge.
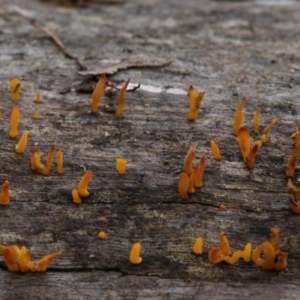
(15, 88)
(121, 99)
(199, 172)
(244, 142)
(82, 186)
(75, 196)
(215, 149)
(121, 165)
(46, 170)
(21, 146)
(42, 264)
(292, 162)
(234, 258)
(59, 162)
(256, 121)
(247, 253)
(198, 246)
(251, 157)
(134, 256)
(191, 189)
(98, 93)
(238, 116)
(266, 131)
(184, 182)
(14, 121)
(195, 99)
(4, 198)
(189, 158)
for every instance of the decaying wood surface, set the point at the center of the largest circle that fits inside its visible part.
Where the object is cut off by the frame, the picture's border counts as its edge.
(228, 49)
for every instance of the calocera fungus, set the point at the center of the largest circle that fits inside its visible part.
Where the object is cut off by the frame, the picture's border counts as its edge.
(46, 170)
(37, 98)
(184, 182)
(14, 122)
(75, 196)
(189, 158)
(198, 246)
(21, 146)
(191, 189)
(296, 135)
(82, 186)
(293, 160)
(244, 142)
(293, 193)
(60, 162)
(134, 256)
(223, 206)
(247, 252)
(15, 88)
(238, 116)
(36, 164)
(215, 149)
(256, 121)
(121, 165)
(42, 264)
(102, 235)
(265, 132)
(36, 116)
(199, 172)
(251, 157)
(98, 93)
(195, 99)
(4, 197)
(121, 99)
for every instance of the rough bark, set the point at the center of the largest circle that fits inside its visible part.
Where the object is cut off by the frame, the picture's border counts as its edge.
(228, 49)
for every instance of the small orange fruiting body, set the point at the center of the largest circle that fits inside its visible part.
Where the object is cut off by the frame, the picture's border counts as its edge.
(215, 149)
(189, 158)
(98, 93)
(75, 196)
(46, 170)
(21, 146)
(121, 165)
(14, 121)
(256, 121)
(247, 252)
(199, 172)
(234, 257)
(121, 99)
(292, 162)
(60, 162)
(4, 197)
(134, 256)
(244, 142)
(11, 255)
(198, 246)
(195, 99)
(238, 116)
(15, 88)
(36, 116)
(37, 98)
(223, 206)
(191, 189)
(82, 186)
(42, 264)
(251, 157)
(265, 132)
(102, 235)
(184, 182)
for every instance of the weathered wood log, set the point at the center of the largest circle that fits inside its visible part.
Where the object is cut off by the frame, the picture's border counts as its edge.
(230, 50)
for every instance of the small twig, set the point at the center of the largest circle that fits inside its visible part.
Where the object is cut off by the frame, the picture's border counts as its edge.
(24, 13)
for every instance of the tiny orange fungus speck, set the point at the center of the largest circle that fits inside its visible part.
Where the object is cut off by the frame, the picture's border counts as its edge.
(37, 98)
(215, 149)
(183, 185)
(121, 165)
(198, 246)
(82, 186)
(134, 256)
(121, 99)
(21, 146)
(223, 206)
(102, 235)
(195, 99)
(36, 116)
(98, 93)
(4, 197)
(59, 161)
(189, 158)
(75, 196)
(14, 121)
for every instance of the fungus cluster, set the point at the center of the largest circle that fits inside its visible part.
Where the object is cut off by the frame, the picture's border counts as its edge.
(18, 260)
(37, 165)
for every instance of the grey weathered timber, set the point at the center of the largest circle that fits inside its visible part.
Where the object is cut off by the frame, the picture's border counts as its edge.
(228, 49)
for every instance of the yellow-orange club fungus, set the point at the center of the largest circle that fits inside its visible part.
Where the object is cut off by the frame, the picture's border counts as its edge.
(184, 182)
(46, 170)
(36, 116)
(293, 160)
(42, 264)
(189, 158)
(102, 235)
(121, 165)
(14, 121)
(11, 255)
(198, 246)
(21, 146)
(98, 93)
(191, 189)
(199, 172)
(247, 252)
(121, 99)
(238, 116)
(4, 197)
(24, 262)
(244, 142)
(195, 99)
(223, 206)
(296, 135)
(36, 164)
(75, 196)
(265, 132)
(256, 122)
(215, 149)
(15, 88)
(251, 157)
(60, 162)
(217, 254)
(134, 256)
(37, 98)
(82, 186)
